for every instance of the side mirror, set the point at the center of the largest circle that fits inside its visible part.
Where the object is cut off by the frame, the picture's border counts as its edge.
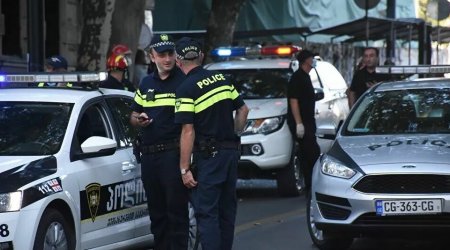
(96, 146)
(326, 132)
(319, 94)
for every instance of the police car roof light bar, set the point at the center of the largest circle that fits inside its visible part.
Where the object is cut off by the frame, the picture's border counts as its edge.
(60, 77)
(69, 77)
(283, 50)
(419, 69)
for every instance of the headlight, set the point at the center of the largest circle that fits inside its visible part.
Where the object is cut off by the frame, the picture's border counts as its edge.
(334, 168)
(263, 126)
(10, 201)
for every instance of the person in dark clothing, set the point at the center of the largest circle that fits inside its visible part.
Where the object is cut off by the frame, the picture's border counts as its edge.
(204, 106)
(301, 112)
(365, 77)
(153, 111)
(117, 66)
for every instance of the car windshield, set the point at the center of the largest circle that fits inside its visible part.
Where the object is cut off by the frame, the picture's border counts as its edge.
(31, 128)
(402, 112)
(260, 83)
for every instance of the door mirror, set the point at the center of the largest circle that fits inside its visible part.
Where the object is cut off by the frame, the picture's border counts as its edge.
(326, 132)
(319, 94)
(96, 146)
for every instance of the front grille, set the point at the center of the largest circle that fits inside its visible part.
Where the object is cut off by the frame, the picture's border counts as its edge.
(404, 184)
(424, 220)
(332, 212)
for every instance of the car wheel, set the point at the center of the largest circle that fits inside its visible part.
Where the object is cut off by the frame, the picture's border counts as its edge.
(322, 239)
(54, 232)
(194, 242)
(290, 180)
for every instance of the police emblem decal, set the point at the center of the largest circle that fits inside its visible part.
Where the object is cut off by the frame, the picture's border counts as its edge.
(93, 198)
(164, 37)
(177, 104)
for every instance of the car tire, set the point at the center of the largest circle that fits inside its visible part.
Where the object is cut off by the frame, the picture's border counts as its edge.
(290, 180)
(322, 239)
(54, 232)
(194, 241)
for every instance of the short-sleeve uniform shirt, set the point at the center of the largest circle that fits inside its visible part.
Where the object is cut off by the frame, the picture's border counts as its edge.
(207, 100)
(156, 97)
(301, 88)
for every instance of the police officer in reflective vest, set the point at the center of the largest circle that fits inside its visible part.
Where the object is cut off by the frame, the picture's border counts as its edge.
(153, 111)
(57, 64)
(204, 106)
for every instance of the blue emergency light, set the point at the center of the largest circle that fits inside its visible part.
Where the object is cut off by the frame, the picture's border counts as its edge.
(282, 50)
(223, 52)
(2, 78)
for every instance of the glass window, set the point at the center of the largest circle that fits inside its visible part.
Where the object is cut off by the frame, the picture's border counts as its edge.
(260, 83)
(402, 111)
(31, 128)
(121, 110)
(93, 122)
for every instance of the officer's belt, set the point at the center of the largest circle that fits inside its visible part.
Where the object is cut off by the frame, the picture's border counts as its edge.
(161, 147)
(206, 146)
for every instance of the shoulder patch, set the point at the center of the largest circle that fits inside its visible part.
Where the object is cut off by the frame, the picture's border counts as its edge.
(177, 103)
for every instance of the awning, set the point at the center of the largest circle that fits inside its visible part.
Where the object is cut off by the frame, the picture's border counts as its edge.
(371, 28)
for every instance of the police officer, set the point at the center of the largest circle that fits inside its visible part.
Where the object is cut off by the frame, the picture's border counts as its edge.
(204, 106)
(55, 63)
(153, 111)
(117, 66)
(301, 111)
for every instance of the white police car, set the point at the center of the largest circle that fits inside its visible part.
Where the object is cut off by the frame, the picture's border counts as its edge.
(68, 176)
(387, 173)
(261, 76)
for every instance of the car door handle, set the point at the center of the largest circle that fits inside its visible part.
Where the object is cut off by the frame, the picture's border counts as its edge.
(127, 166)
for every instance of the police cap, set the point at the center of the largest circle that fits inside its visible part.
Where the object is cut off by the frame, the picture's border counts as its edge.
(57, 62)
(188, 48)
(161, 43)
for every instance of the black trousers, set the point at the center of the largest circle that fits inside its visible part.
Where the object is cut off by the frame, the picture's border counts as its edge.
(167, 199)
(309, 152)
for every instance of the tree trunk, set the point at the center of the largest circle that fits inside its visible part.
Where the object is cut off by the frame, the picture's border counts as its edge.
(221, 24)
(95, 34)
(106, 23)
(127, 21)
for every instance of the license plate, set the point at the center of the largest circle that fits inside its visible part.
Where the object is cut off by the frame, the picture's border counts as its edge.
(404, 207)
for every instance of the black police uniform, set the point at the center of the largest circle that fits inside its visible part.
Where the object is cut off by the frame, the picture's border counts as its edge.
(300, 87)
(166, 195)
(207, 99)
(112, 83)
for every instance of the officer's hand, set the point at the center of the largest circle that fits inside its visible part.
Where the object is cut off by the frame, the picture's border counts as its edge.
(300, 130)
(144, 120)
(188, 180)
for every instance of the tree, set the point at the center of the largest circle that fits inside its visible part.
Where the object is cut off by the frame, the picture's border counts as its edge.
(107, 22)
(221, 24)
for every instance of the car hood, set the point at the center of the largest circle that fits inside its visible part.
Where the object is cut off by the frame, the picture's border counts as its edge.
(15, 172)
(262, 108)
(406, 149)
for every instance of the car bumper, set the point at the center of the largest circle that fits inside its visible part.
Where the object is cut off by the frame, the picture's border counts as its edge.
(337, 207)
(17, 229)
(276, 149)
